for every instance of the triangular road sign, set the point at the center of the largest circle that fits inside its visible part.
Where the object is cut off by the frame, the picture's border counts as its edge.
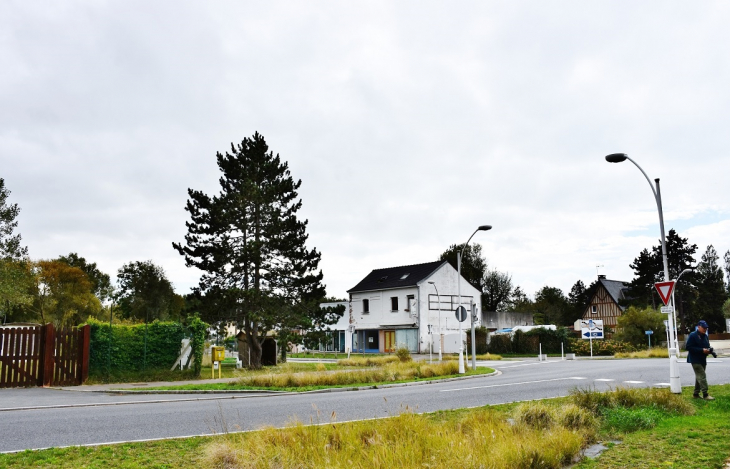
(665, 290)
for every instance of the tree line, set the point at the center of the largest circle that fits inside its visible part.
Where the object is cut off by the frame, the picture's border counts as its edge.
(702, 291)
(549, 305)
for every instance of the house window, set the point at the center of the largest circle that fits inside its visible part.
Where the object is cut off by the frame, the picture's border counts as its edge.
(408, 301)
(394, 303)
(365, 306)
(594, 309)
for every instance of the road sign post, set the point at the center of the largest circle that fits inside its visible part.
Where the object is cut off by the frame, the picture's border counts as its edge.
(592, 329)
(666, 290)
(648, 334)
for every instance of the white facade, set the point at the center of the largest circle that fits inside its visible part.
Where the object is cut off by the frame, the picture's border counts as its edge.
(384, 319)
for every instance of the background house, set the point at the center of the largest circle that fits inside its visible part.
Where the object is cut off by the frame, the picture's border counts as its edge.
(604, 303)
(399, 306)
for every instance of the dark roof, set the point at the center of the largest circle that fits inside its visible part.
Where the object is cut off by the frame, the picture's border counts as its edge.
(616, 288)
(393, 277)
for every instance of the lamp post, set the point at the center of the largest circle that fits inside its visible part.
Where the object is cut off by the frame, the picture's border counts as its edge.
(675, 383)
(438, 301)
(458, 279)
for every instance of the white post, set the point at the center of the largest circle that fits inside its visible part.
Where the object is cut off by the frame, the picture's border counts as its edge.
(458, 305)
(430, 350)
(591, 340)
(562, 356)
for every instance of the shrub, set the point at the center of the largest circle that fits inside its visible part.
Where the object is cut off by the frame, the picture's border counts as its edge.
(501, 343)
(530, 342)
(130, 350)
(536, 415)
(403, 354)
(602, 347)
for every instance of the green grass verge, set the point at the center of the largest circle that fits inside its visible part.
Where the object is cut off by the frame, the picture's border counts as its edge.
(664, 441)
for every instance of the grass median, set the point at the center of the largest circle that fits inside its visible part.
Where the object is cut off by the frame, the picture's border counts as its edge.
(353, 372)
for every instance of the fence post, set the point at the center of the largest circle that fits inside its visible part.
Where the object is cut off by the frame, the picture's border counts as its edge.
(49, 350)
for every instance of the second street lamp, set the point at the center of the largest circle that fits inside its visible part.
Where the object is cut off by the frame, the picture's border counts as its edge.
(458, 305)
(675, 383)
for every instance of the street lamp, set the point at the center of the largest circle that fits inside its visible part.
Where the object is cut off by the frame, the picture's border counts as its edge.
(458, 279)
(675, 383)
(438, 301)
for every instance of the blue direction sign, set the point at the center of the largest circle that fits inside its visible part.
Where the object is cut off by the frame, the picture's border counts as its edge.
(592, 329)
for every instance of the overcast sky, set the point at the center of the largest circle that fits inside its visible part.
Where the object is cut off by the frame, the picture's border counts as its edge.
(409, 124)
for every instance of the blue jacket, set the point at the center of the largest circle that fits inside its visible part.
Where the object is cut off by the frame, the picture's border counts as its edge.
(695, 343)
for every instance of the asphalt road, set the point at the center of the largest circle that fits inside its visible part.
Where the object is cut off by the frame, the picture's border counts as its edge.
(42, 418)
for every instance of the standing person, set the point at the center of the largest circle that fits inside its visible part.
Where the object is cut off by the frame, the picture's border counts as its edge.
(698, 347)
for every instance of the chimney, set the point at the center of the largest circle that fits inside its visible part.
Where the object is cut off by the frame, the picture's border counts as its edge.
(601, 277)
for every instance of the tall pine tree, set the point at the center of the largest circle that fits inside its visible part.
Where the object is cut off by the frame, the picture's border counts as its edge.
(649, 268)
(710, 291)
(251, 247)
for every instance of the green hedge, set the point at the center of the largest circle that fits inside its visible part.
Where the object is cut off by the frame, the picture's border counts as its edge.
(128, 351)
(530, 342)
(480, 338)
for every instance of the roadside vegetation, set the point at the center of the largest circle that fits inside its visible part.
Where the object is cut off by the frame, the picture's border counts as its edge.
(355, 371)
(656, 352)
(643, 428)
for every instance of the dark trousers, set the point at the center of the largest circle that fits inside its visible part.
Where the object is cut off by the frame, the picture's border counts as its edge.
(700, 379)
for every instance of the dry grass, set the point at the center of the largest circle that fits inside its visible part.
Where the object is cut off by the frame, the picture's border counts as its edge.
(659, 398)
(657, 352)
(390, 372)
(478, 439)
(484, 356)
(368, 361)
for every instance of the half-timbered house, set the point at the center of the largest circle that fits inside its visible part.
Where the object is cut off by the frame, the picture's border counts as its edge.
(604, 303)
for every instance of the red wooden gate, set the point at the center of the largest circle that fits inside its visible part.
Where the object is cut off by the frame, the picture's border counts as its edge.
(43, 356)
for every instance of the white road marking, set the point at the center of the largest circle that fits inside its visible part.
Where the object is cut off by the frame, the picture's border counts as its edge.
(526, 364)
(633, 382)
(604, 379)
(661, 384)
(511, 384)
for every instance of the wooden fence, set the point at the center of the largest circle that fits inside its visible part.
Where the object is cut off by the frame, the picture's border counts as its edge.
(43, 356)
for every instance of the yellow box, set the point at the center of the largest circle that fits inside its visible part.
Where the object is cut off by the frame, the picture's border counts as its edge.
(218, 353)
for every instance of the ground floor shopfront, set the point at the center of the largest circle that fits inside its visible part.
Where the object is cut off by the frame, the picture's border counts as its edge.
(384, 340)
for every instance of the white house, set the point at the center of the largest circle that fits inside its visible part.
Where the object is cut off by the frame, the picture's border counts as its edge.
(340, 337)
(399, 306)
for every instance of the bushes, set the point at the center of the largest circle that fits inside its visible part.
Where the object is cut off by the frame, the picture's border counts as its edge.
(529, 342)
(137, 347)
(480, 339)
(582, 347)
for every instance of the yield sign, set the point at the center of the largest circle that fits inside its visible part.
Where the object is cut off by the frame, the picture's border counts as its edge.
(665, 290)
